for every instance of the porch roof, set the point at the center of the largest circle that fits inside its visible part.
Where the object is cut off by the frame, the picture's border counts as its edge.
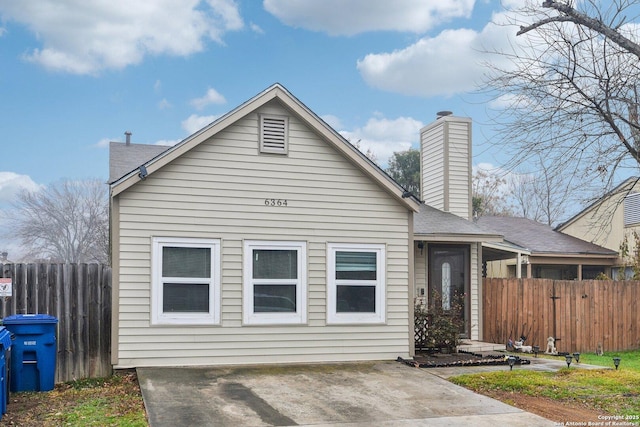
(541, 239)
(431, 224)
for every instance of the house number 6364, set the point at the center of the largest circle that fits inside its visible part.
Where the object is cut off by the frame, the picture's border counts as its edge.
(275, 202)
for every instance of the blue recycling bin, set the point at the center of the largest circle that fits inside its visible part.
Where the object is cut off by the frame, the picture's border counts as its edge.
(5, 356)
(34, 351)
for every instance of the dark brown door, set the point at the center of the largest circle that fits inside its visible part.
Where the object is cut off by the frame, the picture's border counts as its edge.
(449, 277)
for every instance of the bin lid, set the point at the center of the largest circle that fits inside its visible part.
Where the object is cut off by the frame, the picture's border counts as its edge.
(22, 319)
(5, 337)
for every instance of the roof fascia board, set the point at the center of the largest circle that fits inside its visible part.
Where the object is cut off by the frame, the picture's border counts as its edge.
(572, 255)
(505, 248)
(470, 238)
(533, 259)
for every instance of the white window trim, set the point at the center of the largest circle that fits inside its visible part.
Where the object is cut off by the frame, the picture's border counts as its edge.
(333, 317)
(158, 317)
(251, 318)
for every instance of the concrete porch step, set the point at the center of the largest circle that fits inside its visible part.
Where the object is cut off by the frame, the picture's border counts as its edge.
(479, 346)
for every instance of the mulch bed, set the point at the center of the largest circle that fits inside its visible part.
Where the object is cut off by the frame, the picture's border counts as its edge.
(461, 358)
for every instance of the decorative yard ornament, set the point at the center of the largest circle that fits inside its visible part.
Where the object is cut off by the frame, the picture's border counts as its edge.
(551, 346)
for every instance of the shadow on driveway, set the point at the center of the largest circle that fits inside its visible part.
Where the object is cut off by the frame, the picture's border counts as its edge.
(354, 394)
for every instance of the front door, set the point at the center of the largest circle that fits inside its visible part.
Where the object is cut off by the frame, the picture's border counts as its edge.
(449, 272)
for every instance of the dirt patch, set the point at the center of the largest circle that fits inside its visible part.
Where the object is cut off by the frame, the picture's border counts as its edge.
(120, 393)
(557, 411)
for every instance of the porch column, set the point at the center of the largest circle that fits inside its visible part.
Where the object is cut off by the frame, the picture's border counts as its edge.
(579, 271)
(519, 266)
(529, 271)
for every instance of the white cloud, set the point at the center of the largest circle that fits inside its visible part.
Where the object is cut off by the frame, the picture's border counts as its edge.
(157, 86)
(164, 104)
(87, 37)
(211, 97)
(452, 62)
(256, 28)
(103, 143)
(337, 17)
(194, 123)
(385, 136)
(12, 183)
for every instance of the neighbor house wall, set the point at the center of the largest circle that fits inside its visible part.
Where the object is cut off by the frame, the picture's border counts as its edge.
(603, 224)
(217, 190)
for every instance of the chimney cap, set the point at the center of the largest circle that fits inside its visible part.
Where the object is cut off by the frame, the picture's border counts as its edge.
(444, 113)
(127, 134)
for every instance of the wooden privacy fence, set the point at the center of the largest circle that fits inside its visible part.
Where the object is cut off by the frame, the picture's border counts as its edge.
(580, 314)
(79, 295)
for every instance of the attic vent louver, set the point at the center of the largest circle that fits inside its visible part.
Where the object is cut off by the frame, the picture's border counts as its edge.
(632, 209)
(274, 134)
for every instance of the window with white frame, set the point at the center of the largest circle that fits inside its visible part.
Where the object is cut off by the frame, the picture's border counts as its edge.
(185, 283)
(356, 283)
(275, 282)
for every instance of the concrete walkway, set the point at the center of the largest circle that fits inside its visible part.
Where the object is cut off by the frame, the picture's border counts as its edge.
(355, 394)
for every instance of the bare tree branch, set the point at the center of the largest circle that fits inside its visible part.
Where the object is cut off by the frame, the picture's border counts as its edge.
(569, 93)
(569, 14)
(66, 222)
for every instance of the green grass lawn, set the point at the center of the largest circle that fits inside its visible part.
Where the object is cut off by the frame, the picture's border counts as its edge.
(605, 390)
(629, 360)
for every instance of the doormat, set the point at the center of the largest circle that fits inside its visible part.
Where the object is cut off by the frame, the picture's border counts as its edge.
(461, 358)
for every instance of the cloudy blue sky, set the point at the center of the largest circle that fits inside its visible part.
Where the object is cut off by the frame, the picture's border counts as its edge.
(75, 75)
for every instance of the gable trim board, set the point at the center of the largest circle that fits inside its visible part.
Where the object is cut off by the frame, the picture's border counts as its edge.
(294, 105)
(188, 193)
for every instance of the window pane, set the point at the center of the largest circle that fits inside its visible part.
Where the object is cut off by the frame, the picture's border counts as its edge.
(270, 298)
(185, 298)
(356, 265)
(186, 262)
(356, 299)
(275, 264)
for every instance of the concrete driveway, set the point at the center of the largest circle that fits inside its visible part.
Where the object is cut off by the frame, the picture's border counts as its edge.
(354, 394)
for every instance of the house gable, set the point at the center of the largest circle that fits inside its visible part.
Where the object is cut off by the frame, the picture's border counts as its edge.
(292, 106)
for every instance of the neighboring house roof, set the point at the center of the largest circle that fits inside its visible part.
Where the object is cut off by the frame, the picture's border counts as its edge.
(280, 93)
(125, 158)
(433, 224)
(540, 238)
(625, 186)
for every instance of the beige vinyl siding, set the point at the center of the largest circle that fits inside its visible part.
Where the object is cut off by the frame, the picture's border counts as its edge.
(446, 165)
(433, 166)
(475, 296)
(217, 191)
(420, 273)
(459, 168)
(602, 225)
